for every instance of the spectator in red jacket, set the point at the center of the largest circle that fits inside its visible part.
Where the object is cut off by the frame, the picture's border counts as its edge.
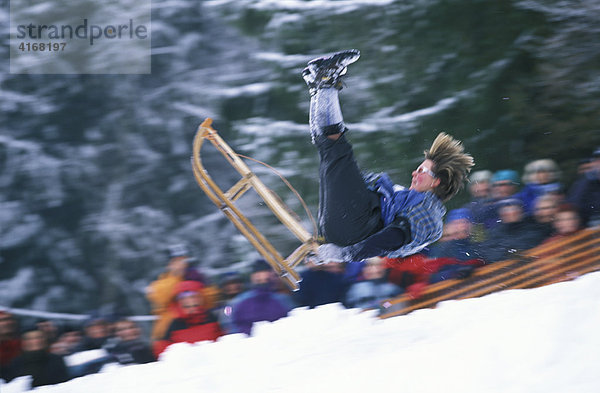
(10, 343)
(193, 322)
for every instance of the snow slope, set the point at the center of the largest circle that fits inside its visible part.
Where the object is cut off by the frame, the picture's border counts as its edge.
(538, 340)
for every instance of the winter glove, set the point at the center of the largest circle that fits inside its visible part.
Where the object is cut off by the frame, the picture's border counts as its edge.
(329, 252)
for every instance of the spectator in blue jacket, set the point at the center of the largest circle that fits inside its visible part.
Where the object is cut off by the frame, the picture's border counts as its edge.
(514, 234)
(261, 302)
(322, 284)
(460, 254)
(480, 189)
(541, 177)
(505, 184)
(585, 193)
(457, 242)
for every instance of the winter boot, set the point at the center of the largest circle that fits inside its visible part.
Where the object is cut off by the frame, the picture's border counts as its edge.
(325, 72)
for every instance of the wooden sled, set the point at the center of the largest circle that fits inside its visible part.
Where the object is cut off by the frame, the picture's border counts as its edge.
(225, 201)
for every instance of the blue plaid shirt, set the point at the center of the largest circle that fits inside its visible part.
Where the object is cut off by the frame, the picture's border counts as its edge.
(424, 211)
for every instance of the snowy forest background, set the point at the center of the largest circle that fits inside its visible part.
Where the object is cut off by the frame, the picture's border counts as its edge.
(95, 175)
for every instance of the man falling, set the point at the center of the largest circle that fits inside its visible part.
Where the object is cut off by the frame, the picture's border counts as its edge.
(365, 216)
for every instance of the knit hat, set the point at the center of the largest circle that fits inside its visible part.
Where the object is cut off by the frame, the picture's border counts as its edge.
(230, 277)
(185, 288)
(480, 176)
(260, 265)
(504, 175)
(543, 165)
(178, 250)
(510, 202)
(95, 319)
(458, 214)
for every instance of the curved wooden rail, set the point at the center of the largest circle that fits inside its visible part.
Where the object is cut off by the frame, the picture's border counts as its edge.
(225, 201)
(547, 264)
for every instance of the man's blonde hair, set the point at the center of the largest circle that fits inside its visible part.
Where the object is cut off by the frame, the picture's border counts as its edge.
(451, 165)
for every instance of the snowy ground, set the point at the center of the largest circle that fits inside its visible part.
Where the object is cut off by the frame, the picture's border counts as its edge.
(540, 340)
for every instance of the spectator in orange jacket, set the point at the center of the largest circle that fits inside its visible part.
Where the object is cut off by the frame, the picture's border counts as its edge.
(161, 293)
(193, 322)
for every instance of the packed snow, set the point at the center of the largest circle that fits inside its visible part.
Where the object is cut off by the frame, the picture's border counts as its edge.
(536, 340)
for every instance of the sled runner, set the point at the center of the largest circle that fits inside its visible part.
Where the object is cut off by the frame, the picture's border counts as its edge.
(225, 201)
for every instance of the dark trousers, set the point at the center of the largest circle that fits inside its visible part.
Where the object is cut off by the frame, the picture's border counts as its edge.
(348, 211)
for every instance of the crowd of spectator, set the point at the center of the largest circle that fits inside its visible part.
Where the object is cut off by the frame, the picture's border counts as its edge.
(52, 353)
(505, 216)
(500, 220)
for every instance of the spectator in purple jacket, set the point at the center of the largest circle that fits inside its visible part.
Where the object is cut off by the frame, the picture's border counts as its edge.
(261, 302)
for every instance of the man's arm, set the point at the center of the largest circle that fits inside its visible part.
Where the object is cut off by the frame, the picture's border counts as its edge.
(390, 238)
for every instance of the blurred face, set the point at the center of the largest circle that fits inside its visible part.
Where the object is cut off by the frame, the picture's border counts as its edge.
(423, 178)
(566, 222)
(66, 343)
(480, 189)
(71, 338)
(48, 327)
(191, 304)
(510, 214)
(261, 277)
(545, 211)
(34, 341)
(458, 229)
(127, 330)
(97, 330)
(584, 167)
(232, 288)
(542, 176)
(374, 269)
(7, 325)
(595, 165)
(503, 189)
(178, 265)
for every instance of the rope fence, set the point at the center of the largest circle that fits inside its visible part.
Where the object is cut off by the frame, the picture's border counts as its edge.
(63, 316)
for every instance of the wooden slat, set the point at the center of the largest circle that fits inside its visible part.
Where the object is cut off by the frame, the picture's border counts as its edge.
(238, 189)
(590, 257)
(447, 285)
(512, 282)
(559, 261)
(560, 244)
